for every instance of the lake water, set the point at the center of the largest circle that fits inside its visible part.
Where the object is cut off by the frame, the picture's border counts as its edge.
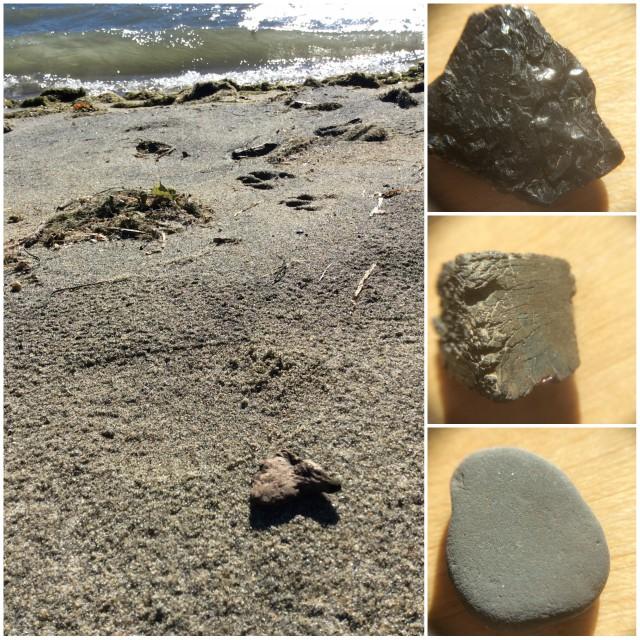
(122, 47)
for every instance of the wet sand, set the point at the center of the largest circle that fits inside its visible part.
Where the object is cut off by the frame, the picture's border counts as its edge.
(138, 407)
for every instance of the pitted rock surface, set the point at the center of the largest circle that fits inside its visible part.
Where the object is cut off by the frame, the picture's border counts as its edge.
(506, 321)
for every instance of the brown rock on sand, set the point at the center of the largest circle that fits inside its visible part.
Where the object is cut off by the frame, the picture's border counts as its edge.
(286, 476)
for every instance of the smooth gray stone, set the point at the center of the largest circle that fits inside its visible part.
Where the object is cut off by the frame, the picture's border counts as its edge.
(506, 322)
(523, 547)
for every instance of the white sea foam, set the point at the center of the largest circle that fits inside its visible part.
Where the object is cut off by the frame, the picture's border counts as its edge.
(291, 71)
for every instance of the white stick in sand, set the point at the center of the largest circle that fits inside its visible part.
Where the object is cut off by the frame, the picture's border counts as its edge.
(362, 282)
(377, 208)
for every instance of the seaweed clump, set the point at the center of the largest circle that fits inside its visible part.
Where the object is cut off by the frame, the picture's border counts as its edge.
(356, 79)
(401, 97)
(53, 96)
(124, 213)
(64, 94)
(202, 90)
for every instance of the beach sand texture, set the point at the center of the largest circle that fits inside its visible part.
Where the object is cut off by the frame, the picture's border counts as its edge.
(138, 410)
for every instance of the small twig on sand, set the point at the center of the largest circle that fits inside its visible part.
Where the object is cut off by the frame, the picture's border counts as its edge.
(97, 193)
(361, 284)
(325, 271)
(216, 242)
(98, 283)
(162, 154)
(245, 144)
(255, 204)
(32, 255)
(142, 233)
(219, 241)
(280, 272)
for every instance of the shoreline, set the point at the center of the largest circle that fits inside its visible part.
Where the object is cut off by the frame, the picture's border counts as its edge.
(414, 71)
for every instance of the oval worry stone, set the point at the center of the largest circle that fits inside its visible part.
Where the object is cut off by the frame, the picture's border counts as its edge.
(523, 547)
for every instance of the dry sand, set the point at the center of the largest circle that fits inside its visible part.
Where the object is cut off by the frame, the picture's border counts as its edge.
(138, 410)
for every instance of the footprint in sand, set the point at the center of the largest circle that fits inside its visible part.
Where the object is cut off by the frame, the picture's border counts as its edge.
(264, 179)
(301, 203)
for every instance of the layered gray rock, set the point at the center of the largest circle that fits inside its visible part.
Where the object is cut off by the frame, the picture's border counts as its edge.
(523, 547)
(506, 321)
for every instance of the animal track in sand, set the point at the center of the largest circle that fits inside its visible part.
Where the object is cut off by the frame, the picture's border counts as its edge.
(301, 202)
(148, 148)
(264, 179)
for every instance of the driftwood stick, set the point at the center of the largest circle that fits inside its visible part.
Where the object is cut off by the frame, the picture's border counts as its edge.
(325, 271)
(280, 272)
(363, 280)
(98, 283)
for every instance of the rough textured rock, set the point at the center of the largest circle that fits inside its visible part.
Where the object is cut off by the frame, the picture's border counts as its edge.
(506, 321)
(518, 108)
(286, 477)
(523, 547)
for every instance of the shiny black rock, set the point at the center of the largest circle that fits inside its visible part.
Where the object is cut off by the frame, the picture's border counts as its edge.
(516, 107)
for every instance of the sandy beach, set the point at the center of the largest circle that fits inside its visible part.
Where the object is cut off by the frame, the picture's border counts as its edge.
(146, 380)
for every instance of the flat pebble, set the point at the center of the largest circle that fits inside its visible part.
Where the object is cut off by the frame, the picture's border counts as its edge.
(523, 547)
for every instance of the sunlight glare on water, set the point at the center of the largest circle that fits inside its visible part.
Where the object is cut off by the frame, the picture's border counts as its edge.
(125, 47)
